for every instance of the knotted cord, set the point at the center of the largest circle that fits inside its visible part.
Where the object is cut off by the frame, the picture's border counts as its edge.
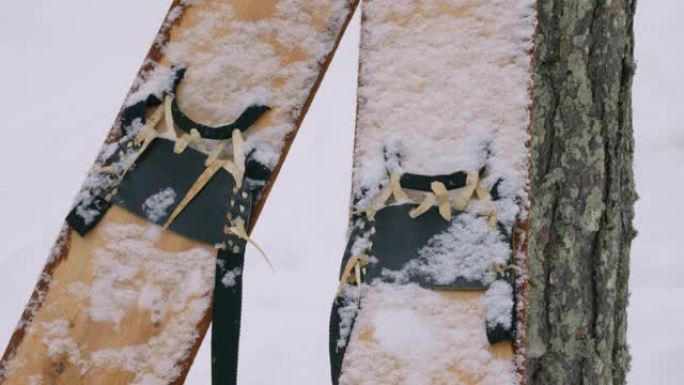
(439, 196)
(393, 188)
(238, 229)
(355, 263)
(143, 138)
(463, 196)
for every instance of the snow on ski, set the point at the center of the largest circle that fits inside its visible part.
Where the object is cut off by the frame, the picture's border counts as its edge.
(126, 294)
(435, 263)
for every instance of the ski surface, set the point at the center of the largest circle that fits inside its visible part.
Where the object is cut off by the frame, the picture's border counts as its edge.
(129, 301)
(443, 107)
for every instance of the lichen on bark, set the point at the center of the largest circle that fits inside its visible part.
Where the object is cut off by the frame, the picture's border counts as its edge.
(583, 192)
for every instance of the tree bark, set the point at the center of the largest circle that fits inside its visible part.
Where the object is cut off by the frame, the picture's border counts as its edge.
(583, 192)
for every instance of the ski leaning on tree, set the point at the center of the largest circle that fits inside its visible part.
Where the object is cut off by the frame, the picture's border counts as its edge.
(433, 278)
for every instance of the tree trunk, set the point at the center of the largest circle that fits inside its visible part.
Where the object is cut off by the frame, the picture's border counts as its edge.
(583, 192)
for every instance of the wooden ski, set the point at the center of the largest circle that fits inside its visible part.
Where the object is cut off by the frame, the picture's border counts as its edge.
(126, 295)
(433, 281)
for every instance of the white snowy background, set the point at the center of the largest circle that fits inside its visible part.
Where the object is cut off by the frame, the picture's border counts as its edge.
(66, 66)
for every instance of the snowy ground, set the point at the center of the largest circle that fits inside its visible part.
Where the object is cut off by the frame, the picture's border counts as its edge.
(67, 68)
(656, 310)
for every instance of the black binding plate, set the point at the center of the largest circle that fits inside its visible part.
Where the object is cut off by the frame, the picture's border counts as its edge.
(398, 239)
(160, 168)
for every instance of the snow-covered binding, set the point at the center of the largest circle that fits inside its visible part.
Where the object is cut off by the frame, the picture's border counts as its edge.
(167, 165)
(188, 189)
(418, 231)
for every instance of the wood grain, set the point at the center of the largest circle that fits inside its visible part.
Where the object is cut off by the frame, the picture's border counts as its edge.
(33, 358)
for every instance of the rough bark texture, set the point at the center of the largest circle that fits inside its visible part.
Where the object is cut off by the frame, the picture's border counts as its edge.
(583, 192)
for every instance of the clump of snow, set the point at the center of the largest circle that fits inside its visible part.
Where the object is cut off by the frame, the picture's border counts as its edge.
(156, 206)
(498, 304)
(157, 81)
(133, 273)
(468, 249)
(349, 297)
(428, 339)
(444, 83)
(390, 330)
(88, 214)
(168, 278)
(56, 338)
(230, 277)
(86, 196)
(155, 361)
(361, 245)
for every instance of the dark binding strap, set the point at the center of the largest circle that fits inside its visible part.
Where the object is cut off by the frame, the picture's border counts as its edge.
(227, 312)
(97, 207)
(422, 182)
(227, 302)
(246, 119)
(451, 182)
(243, 122)
(137, 111)
(494, 192)
(337, 351)
(498, 333)
(88, 212)
(256, 171)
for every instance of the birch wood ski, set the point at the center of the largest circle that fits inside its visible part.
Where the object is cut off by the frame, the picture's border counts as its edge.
(126, 295)
(432, 287)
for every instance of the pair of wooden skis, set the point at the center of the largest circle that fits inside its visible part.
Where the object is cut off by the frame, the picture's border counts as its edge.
(432, 285)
